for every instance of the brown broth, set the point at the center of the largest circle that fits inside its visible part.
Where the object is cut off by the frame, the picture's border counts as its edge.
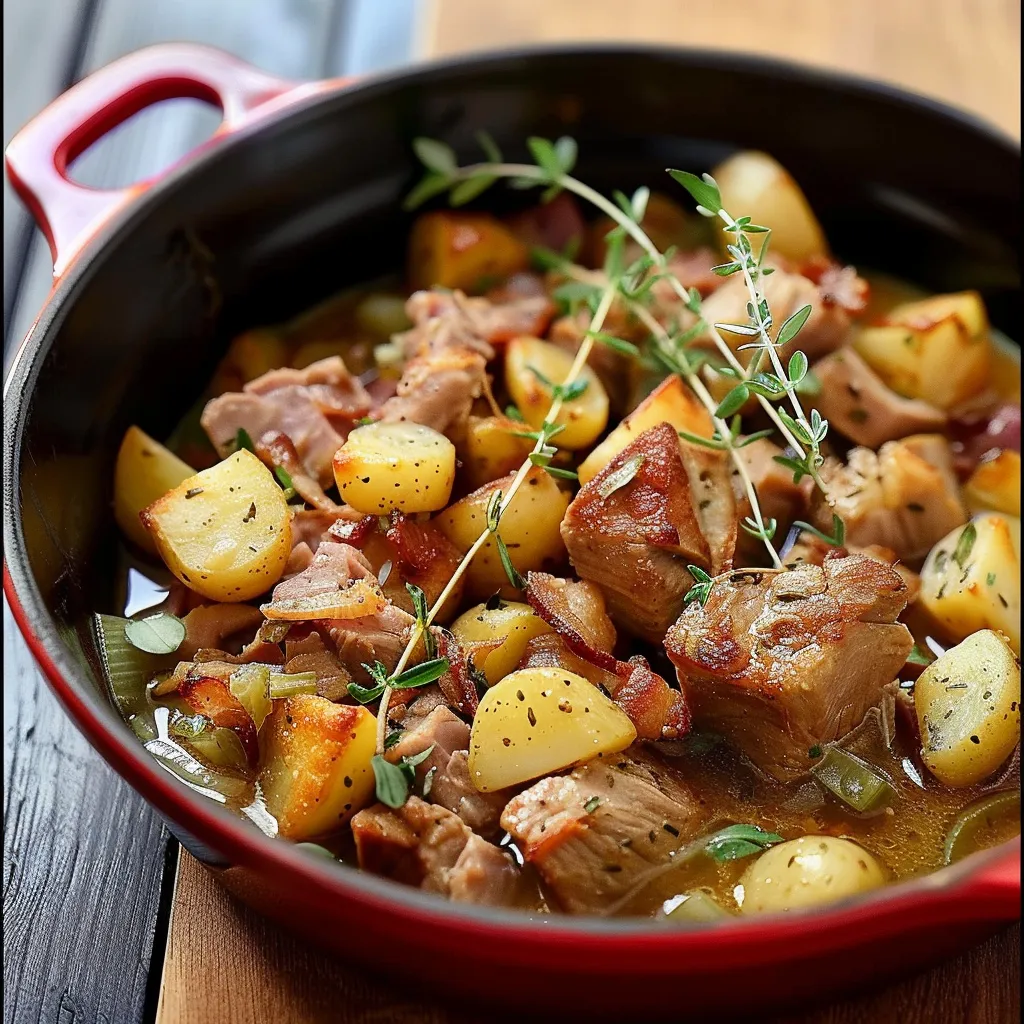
(907, 837)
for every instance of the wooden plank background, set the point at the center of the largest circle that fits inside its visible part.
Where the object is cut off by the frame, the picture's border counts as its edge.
(85, 860)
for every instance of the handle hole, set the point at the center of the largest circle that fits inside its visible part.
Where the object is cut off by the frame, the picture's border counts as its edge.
(146, 143)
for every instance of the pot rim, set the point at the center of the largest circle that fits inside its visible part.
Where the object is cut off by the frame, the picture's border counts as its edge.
(949, 894)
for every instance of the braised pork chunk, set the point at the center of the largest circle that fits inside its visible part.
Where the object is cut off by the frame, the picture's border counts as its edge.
(595, 833)
(781, 661)
(634, 535)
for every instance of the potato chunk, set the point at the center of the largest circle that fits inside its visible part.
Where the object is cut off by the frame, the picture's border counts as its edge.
(529, 527)
(532, 366)
(935, 349)
(806, 872)
(384, 467)
(756, 186)
(513, 624)
(971, 579)
(225, 532)
(968, 708)
(491, 447)
(315, 770)
(541, 720)
(995, 484)
(145, 470)
(462, 250)
(670, 402)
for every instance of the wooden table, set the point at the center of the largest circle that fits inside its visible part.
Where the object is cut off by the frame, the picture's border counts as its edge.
(105, 920)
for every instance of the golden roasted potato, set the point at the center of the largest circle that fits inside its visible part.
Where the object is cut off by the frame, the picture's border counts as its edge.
(456, 249)
(490, 448)
(971, 579)
(671, 402)
(384, 467)
(995, 484)
(936, 349)
(541, 720)
(755, 185)
(225, 532)
(529, 527)
(806, 872)
(144, 471)
(529, 365)
(513, 624)
(315, 768)
(968, 709)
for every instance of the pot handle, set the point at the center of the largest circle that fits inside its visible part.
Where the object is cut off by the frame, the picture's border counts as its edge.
(38, 156)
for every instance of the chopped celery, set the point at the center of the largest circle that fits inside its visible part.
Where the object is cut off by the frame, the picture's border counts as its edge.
(220, 748)
(984, 823)
(853, 781)
(291, 685)
(251, 685)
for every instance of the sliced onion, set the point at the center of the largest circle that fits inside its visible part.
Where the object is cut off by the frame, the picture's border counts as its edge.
(361, 598)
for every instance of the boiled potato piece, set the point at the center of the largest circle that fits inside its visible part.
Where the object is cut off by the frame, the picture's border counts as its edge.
(462, 250)
(225, 532)
(490, 448)
(529, 362)
(513, 623)
(387, 466)
(529, 527)
(144, 471)
(995, 484)
(935, 349)
(541, 720)
(670, 402)
(315, 766)
(968, 708)
(756, 186)
(806, 872)
(971, 579)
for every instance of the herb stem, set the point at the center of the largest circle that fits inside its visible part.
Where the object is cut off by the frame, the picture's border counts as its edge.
(583, 353)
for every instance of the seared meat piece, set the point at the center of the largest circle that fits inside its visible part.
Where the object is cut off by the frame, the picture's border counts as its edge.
(275, 450)
(858, 404)
(309, 406)
(333, 567)
(437, 390)
(827, 328)
(447, 320)
(381, 637)
(219, 627)
(310, 653)
(638, 817)
(316, 526)
(905, 497)
(635, 540)
(780, 498)
(780, 661)
(811, 550)
(426, 846)
(447, 767)
(575, 610)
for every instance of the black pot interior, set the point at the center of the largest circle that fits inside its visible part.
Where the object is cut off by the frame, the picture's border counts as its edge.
(283, 216)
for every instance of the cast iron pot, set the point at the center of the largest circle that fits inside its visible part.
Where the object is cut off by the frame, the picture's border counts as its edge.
(299, 194)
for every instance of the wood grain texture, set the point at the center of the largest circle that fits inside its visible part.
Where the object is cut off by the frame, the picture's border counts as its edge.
(83, 865)
(274, 977)
(966, 52)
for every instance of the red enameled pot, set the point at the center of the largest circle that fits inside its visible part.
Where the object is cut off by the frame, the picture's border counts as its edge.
(299, 194)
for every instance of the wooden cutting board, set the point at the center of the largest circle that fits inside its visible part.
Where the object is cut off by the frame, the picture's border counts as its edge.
(224, 964)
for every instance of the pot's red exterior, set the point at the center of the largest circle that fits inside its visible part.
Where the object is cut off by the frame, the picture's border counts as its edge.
(514, 963)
